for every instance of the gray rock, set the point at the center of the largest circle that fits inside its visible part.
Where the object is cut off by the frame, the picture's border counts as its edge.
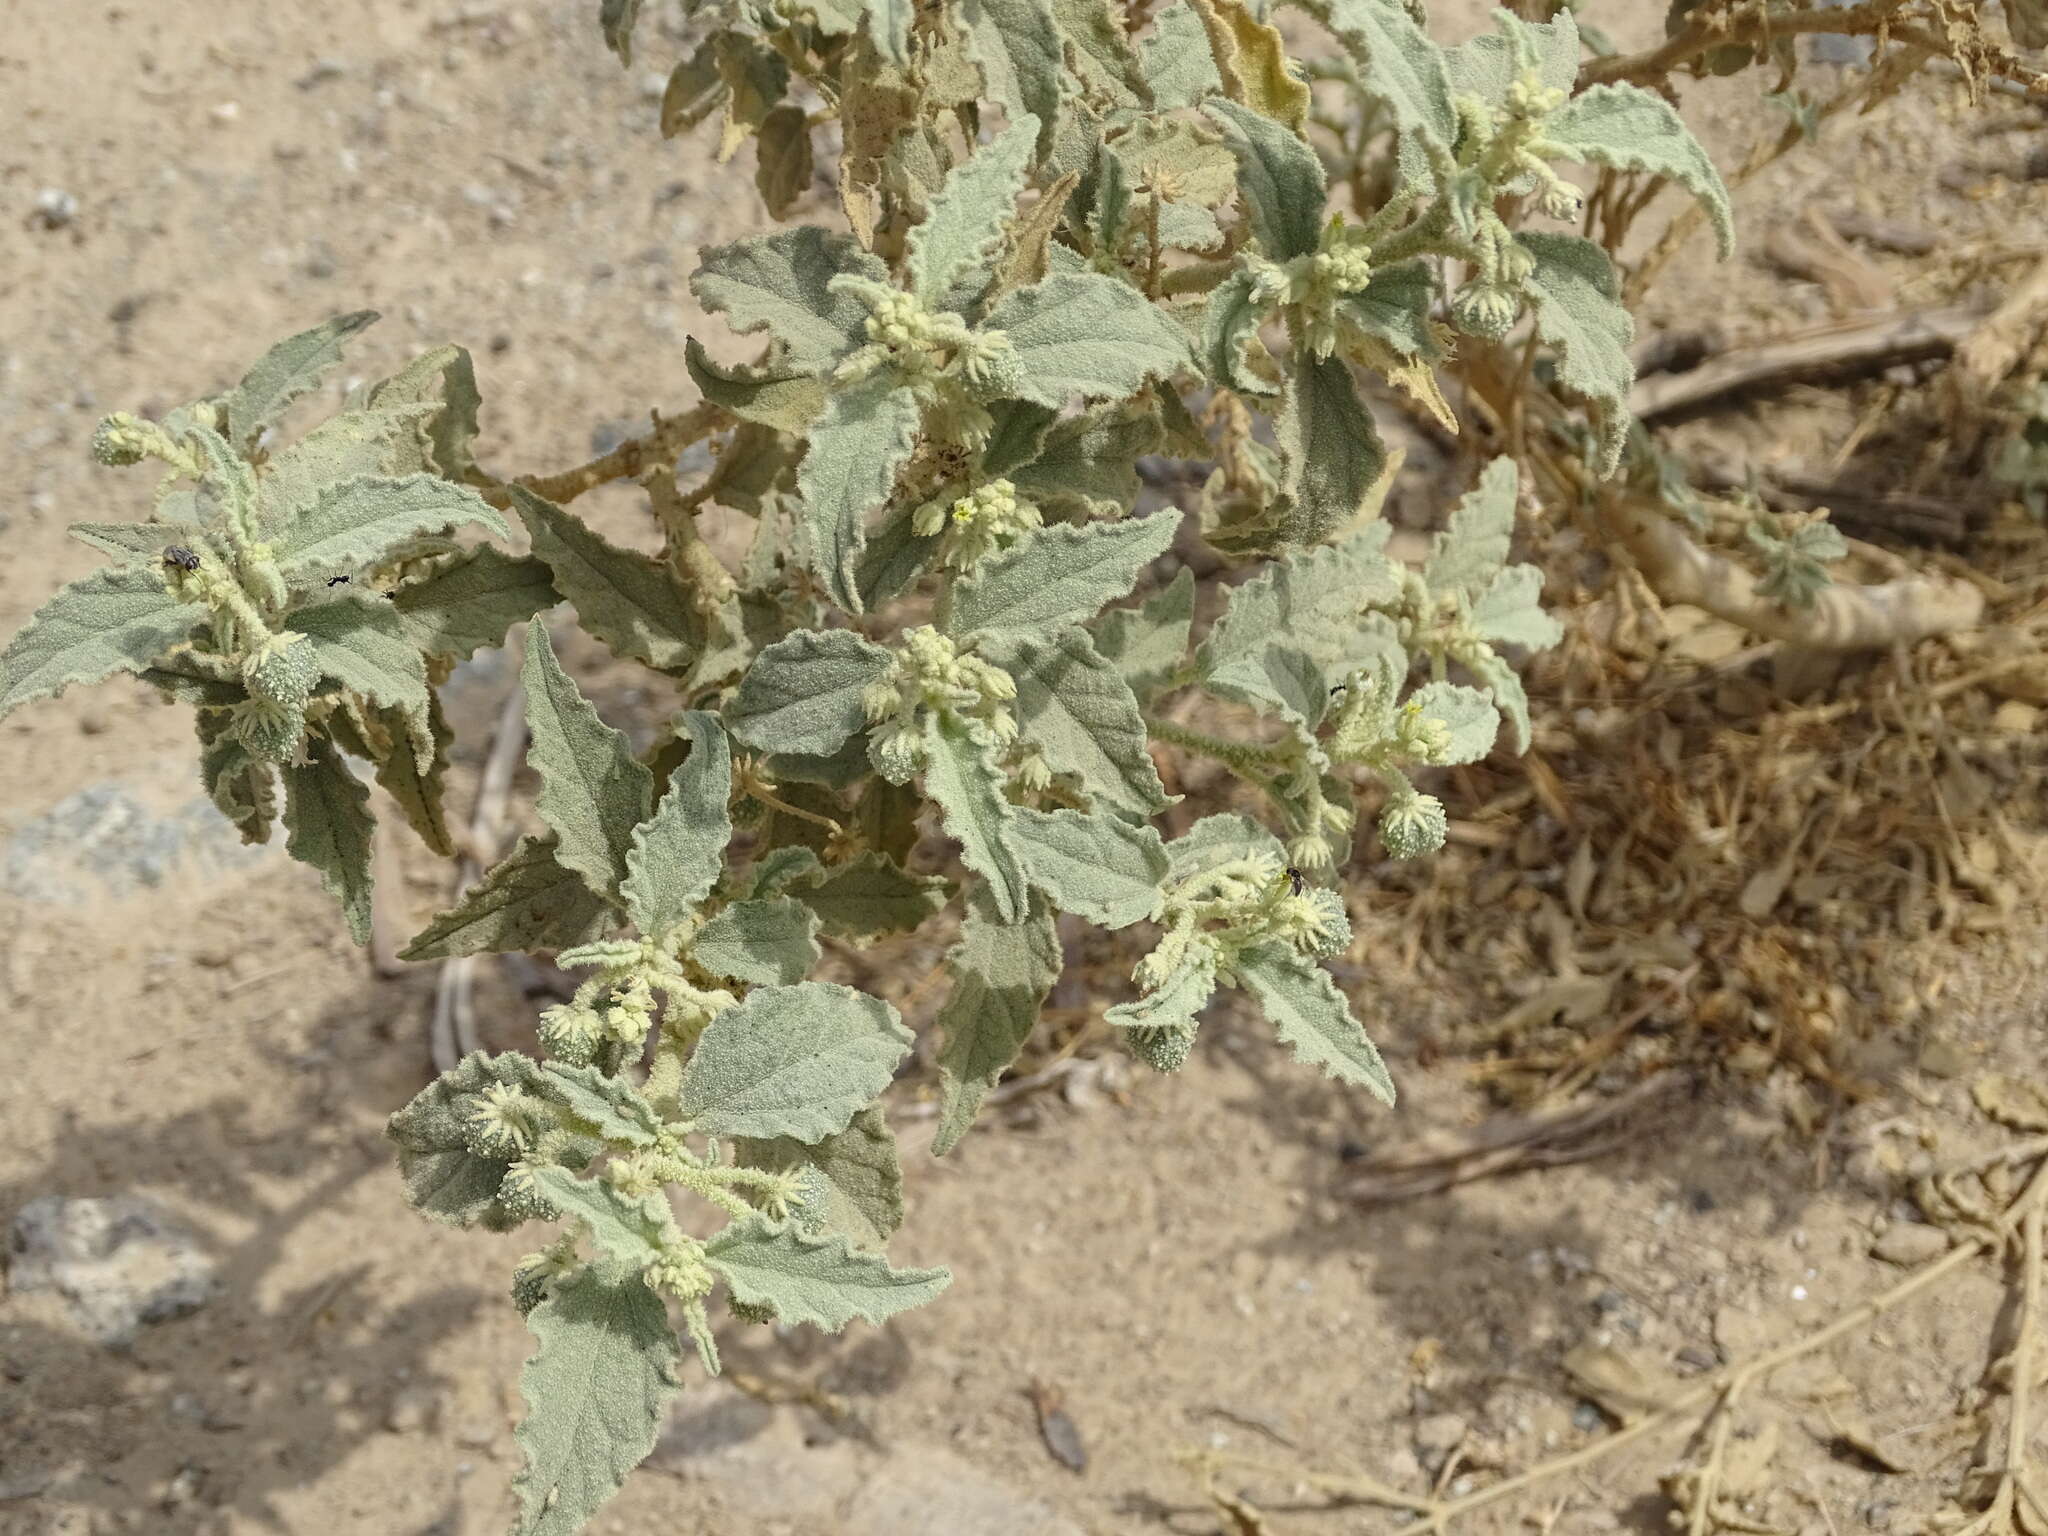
(118, 1262)
(102, 836)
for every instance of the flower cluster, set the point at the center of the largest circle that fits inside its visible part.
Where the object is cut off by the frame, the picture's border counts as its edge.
(930, 672)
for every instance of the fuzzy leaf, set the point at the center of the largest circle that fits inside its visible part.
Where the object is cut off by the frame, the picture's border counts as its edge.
(1176, 60)
(1076, 709)
(866, 433)
(676, 855)
(1393, 308)
(362, 643)
(389, 441)
(1002, 972)
(777, 283)
(1057, 576)
(961, 775)
(442, 381)
(417, 781)
(525, 902)
(630, 601)
(1175, 1003)
(1101, 867)
(1250, 58)
(1507, 612)
(627, 1230)
(327, 812)
(1279, 178)
(1148, 644)
(355, 523)
(1484, 66)
(1080, 333)
(610, 1106)
(763, 943)
(1017, 44)
(781, 395)
(469, 603)
(1100, 51)
(895, 556)
(802, 694)
(1505, 684)
(286, 372)
(1473, 546)
(795, 1061)
(1230, 334)
(1470, 714)
(862, 1198)
(871, 895)
(1312, 1017)
(964, 225)
(117, 620)
(1310, 600)
(819, 1280)
(597, 1392)
(889, 27)
(1333, 450)
(1279, 678)
(1218, 840)
(443, 1178)
(1626, 128)
(1579, 312)
(1089, 461)
(783, 165)
(1398, 65)
(593, 792)
(242, 786)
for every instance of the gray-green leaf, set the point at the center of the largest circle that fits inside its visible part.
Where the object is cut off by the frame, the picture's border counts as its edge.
(1077, 710)
(1176, 60)
(610, 1106)
(1279, 177)
(630, 601)
(870, 896)
(443, 1178)
(764, 943)
(1470, 715)
(1333, 450)
(1148, 644)
(286, 372)
(961, 774)
(778, 283)
(1018, 47)
(1473, 546)
(819, 1280)
(1626, 128)
(677, 854)
(355, 523)
(327, 811)
(362, 643)
(117, 620)
(1057, 576)
(597, 1391)
(593, 791)
(964, 226)
(862, 1198)
(1102, 867)
(1398, 65)
(802, 694)
(856, 447)
(1312, 1017)
(1579, 312)
(527, 901)
(1002, 972)
(471, 601)
(1080, 333)
(792, 1061)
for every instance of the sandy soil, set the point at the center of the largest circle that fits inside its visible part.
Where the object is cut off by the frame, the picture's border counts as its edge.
(1174, 1258)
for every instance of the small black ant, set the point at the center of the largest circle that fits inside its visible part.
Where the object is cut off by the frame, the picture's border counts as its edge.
(1295, 879)
(335, 581)
(181, 557)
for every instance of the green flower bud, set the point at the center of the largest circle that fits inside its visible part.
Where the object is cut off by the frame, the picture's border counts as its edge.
(270, 731)
(283, 672)
(1485, 311)
(1163, 1050)
(1413, 825)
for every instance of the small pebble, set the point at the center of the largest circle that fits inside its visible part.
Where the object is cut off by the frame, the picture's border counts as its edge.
(55, 208)
(1910, 1244)
(1587, 1417)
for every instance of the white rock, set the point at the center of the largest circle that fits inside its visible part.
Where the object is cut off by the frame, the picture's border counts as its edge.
(118, 1262)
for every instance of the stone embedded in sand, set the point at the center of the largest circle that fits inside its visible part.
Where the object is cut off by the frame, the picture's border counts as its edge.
(118, 1262)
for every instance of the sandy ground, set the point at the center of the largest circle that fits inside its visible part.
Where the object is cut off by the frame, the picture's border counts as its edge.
(1175, 1260)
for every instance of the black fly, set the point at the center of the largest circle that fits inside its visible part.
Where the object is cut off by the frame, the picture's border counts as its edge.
(181, 557)
(1295, 879)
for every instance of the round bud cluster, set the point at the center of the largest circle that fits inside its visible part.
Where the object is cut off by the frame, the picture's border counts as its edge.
(121, 440)
(283, 671)
(1164, 1049)
(930, 672)
(572, 1032)
(530, 1285)
(1412, 825)
(500, 1122)
(270, 731)
(520, 1196)
(1485, 310)
(986, 519)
